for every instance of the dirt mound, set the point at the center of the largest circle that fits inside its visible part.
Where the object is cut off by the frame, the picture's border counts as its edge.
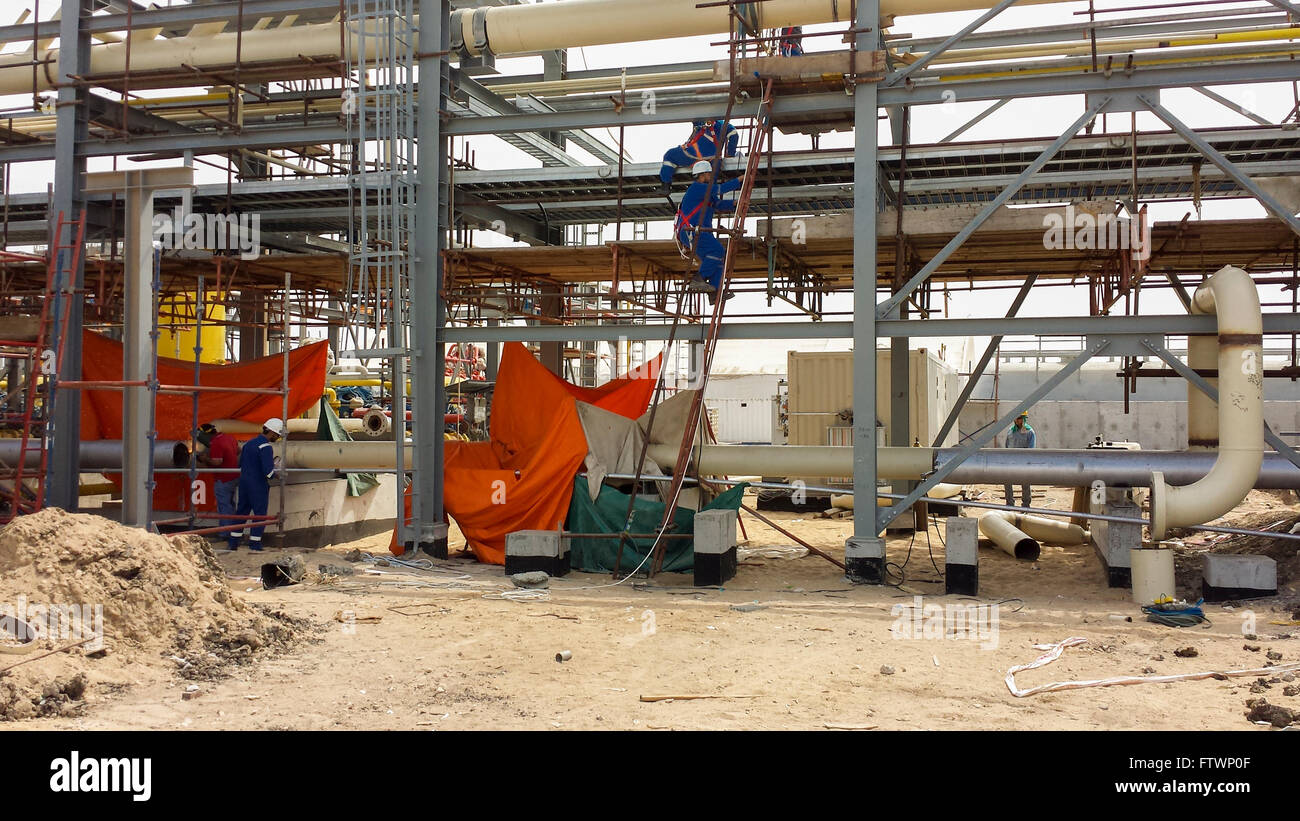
(156, 601)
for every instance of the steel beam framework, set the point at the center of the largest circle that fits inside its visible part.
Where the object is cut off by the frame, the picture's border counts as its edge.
(922, 82)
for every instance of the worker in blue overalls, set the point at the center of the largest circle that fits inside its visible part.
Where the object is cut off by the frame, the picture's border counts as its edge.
(257, 468)
(693, 227)
(791, 42)
(705, 139)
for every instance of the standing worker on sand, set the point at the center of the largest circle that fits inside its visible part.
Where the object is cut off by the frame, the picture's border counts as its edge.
(256, 470)
(222, 452)
(708, 137)
(694, 227)
(1021, 435)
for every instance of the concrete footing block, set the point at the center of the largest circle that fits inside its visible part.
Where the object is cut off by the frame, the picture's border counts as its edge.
(961, 559)
(1114, 541)
(544, 550)
(1227, 578)
(715, 547)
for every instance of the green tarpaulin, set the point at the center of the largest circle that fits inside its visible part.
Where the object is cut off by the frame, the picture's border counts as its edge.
(330, 429)
(606, 515)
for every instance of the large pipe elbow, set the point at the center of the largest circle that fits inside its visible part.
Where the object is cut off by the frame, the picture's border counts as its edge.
(1232, 297)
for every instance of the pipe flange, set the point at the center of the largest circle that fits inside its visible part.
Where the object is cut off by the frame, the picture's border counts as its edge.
(1159, 491)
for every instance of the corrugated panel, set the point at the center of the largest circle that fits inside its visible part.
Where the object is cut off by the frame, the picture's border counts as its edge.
(820, 382)
(743, 419)
(810, 429)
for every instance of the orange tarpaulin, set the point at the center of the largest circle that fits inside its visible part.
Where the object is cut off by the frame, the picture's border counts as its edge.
(101, 411)
(523, 478)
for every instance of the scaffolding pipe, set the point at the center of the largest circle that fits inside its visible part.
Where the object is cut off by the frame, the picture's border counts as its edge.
(1232, 297)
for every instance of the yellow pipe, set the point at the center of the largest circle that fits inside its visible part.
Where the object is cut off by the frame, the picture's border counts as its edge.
(354, 383)
(986, 75)
(1114, 46)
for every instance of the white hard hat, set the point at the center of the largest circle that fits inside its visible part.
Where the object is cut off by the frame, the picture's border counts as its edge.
(275, 424)
(701, 167)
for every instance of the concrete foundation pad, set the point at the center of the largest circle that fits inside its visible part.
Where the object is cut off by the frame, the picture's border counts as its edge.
(1228, 577)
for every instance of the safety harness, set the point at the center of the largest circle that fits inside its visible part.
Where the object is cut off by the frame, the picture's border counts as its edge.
(683, 220)
(690, 146)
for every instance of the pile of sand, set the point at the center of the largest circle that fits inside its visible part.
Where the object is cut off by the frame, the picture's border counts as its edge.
(165, 605)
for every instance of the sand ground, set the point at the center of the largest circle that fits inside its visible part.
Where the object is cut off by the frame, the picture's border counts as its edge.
(440, 650)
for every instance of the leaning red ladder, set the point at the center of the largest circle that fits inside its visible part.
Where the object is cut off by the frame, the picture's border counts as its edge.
(19, 503)
(756, 148)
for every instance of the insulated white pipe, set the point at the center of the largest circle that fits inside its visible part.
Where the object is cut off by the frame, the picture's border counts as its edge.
(525, 29)
(1009, 539)
(521, 29)
(1202, 421)
(1047, 531)
(804, 461)
(1232, 296)
(238, 426)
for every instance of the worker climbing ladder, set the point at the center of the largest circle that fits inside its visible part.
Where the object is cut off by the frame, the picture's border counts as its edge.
(40, 361)
(761, 131)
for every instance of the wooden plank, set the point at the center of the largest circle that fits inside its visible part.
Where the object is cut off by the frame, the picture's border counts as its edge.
(20, 327)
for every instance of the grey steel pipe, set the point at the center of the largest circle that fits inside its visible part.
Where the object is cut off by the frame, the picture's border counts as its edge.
(103, 454)
(1126, 468)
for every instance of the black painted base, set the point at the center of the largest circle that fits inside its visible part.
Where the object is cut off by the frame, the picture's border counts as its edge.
(1218, 594)
(314, 538)
(1115, 576)
(865, 570)
(715, 568)
(961, 579)
(437, 548)
(942, 510)
(549, 565)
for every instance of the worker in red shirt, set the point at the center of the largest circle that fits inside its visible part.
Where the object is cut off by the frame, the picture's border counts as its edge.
(222, 452)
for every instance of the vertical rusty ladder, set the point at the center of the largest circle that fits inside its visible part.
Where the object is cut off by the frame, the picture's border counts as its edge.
(762, 129)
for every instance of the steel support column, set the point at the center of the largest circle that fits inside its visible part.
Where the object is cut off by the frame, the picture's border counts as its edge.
(428, 400)
(864, 553)
(70, 131)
